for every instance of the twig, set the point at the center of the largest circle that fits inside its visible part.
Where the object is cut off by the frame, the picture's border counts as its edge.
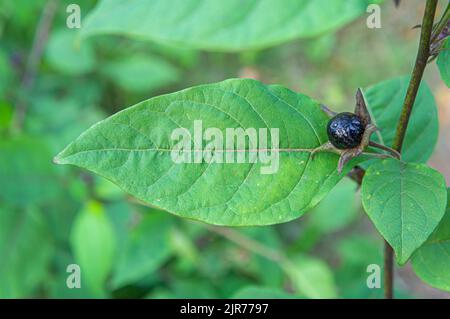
(34, 59)
(416, 77)
(234, 236)
(247, 243)
(443, 22)
(388, 271)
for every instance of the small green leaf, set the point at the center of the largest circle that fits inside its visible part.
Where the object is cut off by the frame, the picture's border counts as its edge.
(405, 202)
(335, 212)
(146, 248)
(356, 252)
(133, 149)
(337, 209)
(385, 102)
(269, 272)
(140, 73)
(222, 25)
(94, 244)
(311, 277)
(431, 262)
(443, 62)
(59, 120)
(67, 55)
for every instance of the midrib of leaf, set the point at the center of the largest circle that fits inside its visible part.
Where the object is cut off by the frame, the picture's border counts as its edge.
(159, 149)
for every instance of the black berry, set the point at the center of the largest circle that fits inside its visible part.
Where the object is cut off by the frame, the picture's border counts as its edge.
(345, 130)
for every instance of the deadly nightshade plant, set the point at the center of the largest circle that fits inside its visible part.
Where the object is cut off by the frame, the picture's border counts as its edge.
(405, 199)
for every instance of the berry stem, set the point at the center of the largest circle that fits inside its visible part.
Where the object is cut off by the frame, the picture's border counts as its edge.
(393, 152)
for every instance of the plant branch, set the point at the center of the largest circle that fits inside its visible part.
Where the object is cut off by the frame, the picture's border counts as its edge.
(441, 24)
(234, 236)
(34, 59)
(416, 77)
(247, 243)
(388, 271)
(411, 93)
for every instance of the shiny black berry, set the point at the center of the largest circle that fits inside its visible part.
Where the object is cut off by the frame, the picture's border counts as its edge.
(345, 130)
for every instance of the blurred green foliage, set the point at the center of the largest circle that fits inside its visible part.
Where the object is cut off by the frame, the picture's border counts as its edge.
(51, 217)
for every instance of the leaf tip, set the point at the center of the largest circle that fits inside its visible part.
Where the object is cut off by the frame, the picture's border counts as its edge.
(57, 160)
(60, 158)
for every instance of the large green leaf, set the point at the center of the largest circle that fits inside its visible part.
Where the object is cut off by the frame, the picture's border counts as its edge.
(94, 244)
(146, 248)
(431, 262)
(405, 202)
(385, 101)
(222, 25)
(443, 62)
(133, 149)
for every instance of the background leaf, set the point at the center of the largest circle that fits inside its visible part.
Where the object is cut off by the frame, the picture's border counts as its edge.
(140, 73)
(311, 277)
(355, 253)
(334, 213)
(146, 248)
(23, 266)
(67, 55)
(328, 216)
(27, 176)
(431, 262)
(405, 202)
(94, 244)
(228, 26)
(443, 62)
(385, 101)
(132, 149)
